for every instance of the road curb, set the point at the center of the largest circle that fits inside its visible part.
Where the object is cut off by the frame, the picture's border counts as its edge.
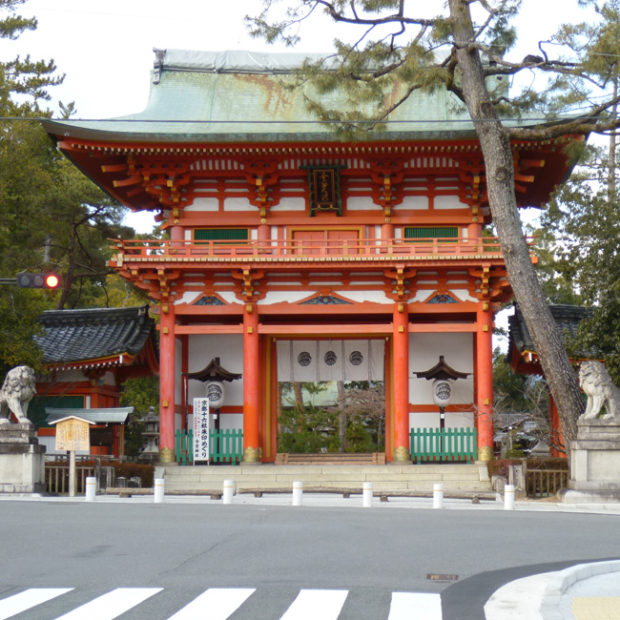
(537, 597)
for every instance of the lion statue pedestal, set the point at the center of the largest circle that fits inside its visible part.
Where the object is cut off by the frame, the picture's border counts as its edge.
(595, 454)
(22, 469)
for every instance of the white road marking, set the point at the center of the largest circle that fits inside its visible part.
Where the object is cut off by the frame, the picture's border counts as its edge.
(32, 597)
(415, 606)
(214, 604)
(111, 604)
(313, 604)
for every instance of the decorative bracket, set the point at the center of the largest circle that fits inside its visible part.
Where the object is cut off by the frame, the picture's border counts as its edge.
(263, 178)
(386, 185)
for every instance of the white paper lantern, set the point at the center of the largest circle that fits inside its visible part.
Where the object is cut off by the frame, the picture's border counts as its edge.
(214, 391)
(442, 392)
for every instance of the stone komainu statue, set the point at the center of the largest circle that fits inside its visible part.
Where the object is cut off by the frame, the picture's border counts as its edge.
(600, 390)
(16, 393)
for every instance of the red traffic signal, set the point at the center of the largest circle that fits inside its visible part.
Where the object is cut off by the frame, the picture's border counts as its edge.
(38, 280)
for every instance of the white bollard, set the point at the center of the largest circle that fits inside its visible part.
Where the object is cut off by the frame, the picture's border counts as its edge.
(437, 495)
(228, 491)
(158, 490)
(298, 491)
(367, 495)
(509, 497)
(91, 488)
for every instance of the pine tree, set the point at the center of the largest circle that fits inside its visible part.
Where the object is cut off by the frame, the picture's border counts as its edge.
(453, 51)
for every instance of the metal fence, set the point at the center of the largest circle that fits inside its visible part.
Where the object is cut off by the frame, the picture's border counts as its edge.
(448, 445)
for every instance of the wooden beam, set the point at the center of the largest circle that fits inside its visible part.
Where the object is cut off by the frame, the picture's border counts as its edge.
(208, 329)
(324, 330)
(441, 328)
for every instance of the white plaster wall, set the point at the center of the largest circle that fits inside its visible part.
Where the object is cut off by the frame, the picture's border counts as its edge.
(424, 419)
(448, 202)
(108, 379)
(229, 348)
(188, 297)
(463, 294)
(228, 421)
(229, 297)
(203, 204)
(378, 297)
(361, 203)
(290, 204)
(276, 297)
(238, 204)
(413, 202)
(424, 352)
(459, 419)
(430, 419)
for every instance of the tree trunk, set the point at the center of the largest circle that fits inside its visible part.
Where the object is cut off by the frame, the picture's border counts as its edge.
(499, 164)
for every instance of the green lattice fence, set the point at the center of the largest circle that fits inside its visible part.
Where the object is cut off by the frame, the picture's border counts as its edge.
(451, 444)
(225, 446)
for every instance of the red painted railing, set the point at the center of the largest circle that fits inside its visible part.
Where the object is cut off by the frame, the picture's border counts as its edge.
(337, 249)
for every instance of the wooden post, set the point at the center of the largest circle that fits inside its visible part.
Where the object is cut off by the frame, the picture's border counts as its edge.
(401, 382)
(251, 384)
(166, 383)
(484, 381)
(72, 473)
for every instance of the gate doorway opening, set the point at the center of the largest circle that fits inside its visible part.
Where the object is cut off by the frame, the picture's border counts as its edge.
(331, 396)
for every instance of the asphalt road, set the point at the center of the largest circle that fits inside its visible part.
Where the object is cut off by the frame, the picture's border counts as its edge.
(186, 548)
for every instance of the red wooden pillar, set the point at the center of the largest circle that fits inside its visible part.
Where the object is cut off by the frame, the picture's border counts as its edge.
(251, 384)
(484, 381)
(556, 436)
(167, 356)
(400, 374)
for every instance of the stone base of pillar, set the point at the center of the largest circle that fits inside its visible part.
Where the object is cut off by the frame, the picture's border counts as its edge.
(22, 467)
(485, 453)
(401, 455)
(595, 461)
(250, 455)
(166, 455)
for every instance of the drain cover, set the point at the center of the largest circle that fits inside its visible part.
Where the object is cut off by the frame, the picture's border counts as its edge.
(441, 577)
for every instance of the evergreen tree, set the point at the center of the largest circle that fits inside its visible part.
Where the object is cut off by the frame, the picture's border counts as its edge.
(453, 50)
(51, 216)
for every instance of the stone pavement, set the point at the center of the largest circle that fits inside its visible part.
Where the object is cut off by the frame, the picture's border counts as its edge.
(581, 592)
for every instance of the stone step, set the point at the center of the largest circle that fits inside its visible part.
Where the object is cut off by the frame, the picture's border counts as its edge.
(468, 477)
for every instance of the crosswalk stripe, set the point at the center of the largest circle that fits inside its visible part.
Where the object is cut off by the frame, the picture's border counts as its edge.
(415, 606)
(32, 597)
(111, 604)
(214, 604)
(312, 604)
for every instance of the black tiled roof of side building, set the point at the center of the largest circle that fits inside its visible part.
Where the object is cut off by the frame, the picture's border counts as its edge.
(566, 316)
(92, 333)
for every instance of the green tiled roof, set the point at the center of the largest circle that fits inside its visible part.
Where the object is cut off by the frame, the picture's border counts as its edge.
(241, 96)
(81, 335)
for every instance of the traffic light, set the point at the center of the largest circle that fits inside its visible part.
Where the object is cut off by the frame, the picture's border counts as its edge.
(38, 280)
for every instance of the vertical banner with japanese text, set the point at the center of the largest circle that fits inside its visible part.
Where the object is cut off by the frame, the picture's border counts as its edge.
(201, 430)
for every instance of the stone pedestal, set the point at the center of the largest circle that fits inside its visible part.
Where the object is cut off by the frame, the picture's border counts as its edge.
(595, 462)
(22, 468)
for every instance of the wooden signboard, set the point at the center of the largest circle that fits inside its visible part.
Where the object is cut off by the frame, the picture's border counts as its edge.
(201, 430)
(72, 434)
